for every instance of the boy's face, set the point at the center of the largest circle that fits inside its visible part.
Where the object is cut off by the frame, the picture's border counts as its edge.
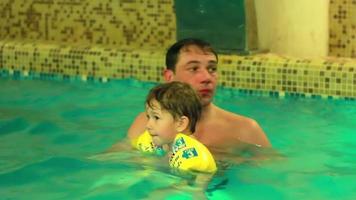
(161, 124)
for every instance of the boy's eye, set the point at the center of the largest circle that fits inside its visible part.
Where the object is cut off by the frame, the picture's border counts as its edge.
(153, 117)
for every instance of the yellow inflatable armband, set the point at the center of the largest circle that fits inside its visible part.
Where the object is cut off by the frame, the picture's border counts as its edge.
(190, 154)
(187, 153)
(145, 144)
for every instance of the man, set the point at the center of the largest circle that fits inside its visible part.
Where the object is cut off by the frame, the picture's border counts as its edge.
(195, 62)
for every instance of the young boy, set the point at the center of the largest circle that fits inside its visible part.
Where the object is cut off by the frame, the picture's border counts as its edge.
(173, 110)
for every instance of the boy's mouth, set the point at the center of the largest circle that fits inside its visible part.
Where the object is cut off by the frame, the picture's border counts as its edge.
(153, 134)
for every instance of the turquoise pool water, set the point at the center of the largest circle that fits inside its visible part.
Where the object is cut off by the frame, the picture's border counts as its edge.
(52, 134)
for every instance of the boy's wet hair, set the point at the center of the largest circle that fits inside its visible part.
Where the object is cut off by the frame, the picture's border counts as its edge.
(179, 99)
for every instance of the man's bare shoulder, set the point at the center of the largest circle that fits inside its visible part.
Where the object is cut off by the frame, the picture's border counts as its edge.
(233, 119)
(244, 128)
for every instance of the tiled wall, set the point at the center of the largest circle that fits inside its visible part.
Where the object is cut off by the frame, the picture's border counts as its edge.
(322, 77)
(124, 24)
(103, 63)
(342, 28)
(127, 39)
(269, 73)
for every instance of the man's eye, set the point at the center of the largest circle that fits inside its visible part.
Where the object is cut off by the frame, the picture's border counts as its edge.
(156, 117)
(193, 69)
(212, 69)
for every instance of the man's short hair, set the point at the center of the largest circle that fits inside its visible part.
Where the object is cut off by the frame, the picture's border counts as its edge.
(174, 51)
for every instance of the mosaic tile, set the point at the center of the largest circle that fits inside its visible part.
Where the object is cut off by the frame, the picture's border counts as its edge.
(104, 63)
(333, 77)
(125, 24)
(342, 22)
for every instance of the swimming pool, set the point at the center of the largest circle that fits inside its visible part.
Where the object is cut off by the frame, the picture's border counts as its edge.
(51, 133)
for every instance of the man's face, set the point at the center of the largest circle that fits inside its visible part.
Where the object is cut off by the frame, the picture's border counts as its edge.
(199, 69)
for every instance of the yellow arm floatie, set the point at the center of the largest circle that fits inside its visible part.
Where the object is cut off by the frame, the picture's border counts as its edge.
(145, 144)
(190, 154)
(187, 153)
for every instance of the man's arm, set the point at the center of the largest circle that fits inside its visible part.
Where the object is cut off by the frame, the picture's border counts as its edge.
(137, 128)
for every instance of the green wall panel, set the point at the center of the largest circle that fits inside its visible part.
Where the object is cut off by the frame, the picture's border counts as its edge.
(221, 22)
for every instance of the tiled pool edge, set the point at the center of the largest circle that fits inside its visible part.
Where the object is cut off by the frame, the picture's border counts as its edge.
(19, 75)
(266, 72)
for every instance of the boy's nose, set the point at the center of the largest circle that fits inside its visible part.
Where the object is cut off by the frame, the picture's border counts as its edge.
(148, 126)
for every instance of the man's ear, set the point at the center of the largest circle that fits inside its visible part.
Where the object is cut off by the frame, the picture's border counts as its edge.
(182, 124)
(168, 75)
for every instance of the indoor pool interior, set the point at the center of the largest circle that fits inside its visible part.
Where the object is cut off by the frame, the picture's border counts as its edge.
(75, 73)
(53, 134)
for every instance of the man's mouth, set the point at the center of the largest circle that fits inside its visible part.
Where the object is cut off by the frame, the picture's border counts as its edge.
(205, 91)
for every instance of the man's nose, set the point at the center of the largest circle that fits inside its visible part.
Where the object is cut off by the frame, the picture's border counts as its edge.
(206, 76)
